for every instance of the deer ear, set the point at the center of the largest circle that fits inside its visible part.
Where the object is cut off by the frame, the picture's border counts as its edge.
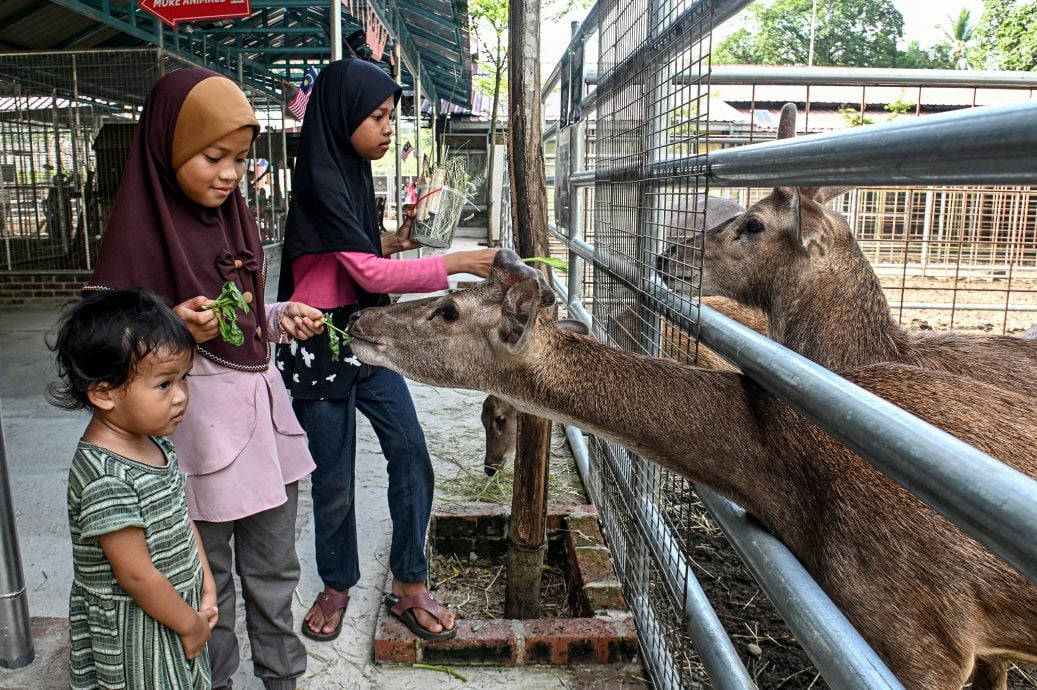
(787, 121)
(547, 295)
(508, 268)
(519, 313)
(816, 233)
(823, 194)
(573, 326)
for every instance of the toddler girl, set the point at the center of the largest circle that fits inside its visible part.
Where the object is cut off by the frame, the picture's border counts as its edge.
(143, 600)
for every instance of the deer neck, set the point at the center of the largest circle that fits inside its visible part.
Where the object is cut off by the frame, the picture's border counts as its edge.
(703, 425)
(837, 315)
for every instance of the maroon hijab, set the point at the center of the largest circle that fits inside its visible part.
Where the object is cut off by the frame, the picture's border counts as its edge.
(157, 238)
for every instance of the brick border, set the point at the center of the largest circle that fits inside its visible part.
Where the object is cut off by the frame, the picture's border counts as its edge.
(605, 634)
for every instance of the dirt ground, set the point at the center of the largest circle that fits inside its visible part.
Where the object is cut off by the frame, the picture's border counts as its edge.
(901, 290)
(466, 583)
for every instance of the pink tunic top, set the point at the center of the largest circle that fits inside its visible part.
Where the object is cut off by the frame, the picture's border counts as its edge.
(240, 442)
(326, 281)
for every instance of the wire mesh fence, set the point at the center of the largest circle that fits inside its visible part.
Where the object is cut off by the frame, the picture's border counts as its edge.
(628, 167)
(66, 124)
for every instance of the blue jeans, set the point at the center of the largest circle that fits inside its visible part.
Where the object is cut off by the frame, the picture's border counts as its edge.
(330, 425)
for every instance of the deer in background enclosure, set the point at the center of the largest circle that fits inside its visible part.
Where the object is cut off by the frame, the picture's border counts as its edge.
(930, 600)
(797, 260)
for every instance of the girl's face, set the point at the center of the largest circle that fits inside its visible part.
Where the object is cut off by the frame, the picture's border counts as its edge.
(210, 176)
(152, 403)
(372, 138)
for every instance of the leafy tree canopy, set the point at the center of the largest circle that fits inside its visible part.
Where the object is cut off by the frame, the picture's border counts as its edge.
(1005, 38)
(940, 56)
(849, 33)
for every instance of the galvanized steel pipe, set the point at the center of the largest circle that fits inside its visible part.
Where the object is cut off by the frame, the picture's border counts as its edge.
(16, 648)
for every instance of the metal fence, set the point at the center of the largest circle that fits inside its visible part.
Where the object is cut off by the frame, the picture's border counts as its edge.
(633, 141)
(66, 123)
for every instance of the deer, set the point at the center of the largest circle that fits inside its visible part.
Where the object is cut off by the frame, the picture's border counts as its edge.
(797, 260)
(500, 418)
(930, 600)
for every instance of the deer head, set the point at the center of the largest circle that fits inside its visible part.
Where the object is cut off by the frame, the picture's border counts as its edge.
(768, 247)
(486, 327)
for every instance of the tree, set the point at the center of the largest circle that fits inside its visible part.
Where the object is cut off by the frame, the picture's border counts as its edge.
(488, 21)
(917, 57)
(1004, 39)
(849, 33)
(959, 38)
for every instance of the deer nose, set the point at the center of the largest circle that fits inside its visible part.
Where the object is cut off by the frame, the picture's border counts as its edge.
(353, 317)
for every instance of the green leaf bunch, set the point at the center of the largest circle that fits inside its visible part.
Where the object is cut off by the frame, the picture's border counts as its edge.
(226, 308)
(337, 338)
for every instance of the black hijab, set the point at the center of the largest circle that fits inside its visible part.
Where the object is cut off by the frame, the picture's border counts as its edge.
(333, 200)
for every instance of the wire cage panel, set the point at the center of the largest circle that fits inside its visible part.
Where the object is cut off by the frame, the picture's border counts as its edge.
(66, 124)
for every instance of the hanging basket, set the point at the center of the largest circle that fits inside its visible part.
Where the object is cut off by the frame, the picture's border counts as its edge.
(437, 213)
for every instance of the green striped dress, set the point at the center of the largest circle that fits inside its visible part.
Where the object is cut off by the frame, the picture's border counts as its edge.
(113, 642)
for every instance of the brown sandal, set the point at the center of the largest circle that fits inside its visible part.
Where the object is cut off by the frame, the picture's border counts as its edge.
(401, 608)
(330, 603)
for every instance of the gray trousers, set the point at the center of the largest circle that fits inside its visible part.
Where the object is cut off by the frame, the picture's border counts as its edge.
(266, 563)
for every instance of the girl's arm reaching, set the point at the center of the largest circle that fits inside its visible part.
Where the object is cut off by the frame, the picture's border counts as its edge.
(210, 605)
(128, 553)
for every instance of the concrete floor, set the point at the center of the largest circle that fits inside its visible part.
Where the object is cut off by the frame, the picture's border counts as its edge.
(40, 440)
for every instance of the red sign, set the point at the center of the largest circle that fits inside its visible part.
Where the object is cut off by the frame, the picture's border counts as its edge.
(173, 11)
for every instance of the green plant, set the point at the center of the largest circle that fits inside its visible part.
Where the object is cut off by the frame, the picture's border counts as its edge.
(336, 337)
(549, 260)
(225, 307)
(854, 118)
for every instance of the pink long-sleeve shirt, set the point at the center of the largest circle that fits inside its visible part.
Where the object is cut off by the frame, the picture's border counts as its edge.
(328, 280)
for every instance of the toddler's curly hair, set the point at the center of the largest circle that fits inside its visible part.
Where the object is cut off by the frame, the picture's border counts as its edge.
(102, 338)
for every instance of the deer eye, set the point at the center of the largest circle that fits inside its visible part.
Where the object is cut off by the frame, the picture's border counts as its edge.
(501, 422)
(754, 225)
(448, 311)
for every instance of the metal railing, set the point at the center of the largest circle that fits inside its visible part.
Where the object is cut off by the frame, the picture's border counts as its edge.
(934, 150)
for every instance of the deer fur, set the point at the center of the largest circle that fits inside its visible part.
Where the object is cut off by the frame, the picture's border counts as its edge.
(930, 600)
(797, 260)
(500, 418)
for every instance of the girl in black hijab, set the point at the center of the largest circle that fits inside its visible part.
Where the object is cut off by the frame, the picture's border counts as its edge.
(334, 259)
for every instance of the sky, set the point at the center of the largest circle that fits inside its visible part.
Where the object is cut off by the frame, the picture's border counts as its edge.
(921, 19)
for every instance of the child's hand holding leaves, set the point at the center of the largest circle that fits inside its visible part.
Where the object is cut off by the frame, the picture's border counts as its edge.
(301, 321)
(225, 308)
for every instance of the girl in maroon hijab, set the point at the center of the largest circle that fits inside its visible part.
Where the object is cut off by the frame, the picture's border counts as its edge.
(180, 228)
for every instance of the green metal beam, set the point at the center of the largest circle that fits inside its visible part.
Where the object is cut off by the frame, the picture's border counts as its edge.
(273, 30)
(226, 48)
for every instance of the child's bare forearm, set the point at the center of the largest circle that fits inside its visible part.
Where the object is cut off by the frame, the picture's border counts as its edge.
(127, 551)
(155, 594)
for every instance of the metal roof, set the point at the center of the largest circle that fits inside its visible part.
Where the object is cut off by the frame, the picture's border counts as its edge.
(277, 42)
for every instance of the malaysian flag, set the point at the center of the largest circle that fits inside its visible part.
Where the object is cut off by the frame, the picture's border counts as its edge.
(297, 106)
(407, 148)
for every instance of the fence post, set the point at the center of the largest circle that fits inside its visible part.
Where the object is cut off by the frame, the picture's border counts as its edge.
(16, 649)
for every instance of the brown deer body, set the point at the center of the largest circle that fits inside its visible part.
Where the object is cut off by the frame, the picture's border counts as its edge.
(500, 418)
(930, 600)
(797, 260)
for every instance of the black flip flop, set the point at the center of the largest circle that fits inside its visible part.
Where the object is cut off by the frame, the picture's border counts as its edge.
(330, 603)
(401, 608)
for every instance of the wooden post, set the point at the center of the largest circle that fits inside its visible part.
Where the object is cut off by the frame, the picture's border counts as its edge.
(527, 531)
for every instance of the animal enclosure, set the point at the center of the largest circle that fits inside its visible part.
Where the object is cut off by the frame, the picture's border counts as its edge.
(66, 123)
(639, 125)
